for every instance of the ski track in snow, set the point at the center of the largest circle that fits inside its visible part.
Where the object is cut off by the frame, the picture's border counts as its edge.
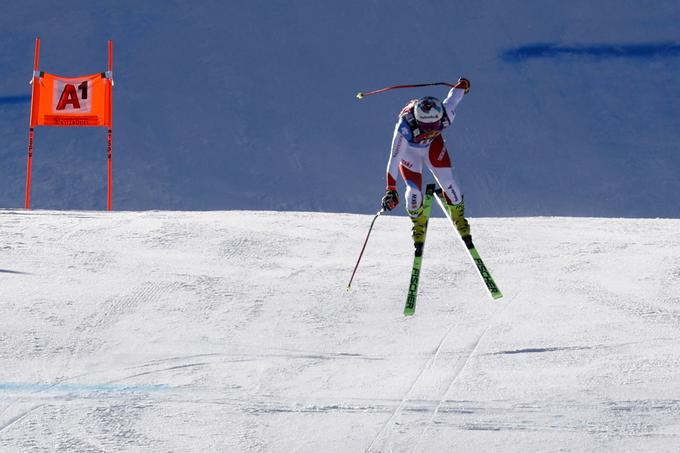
(458, 368)
(451, 375)
(233, 331)
(428, 365)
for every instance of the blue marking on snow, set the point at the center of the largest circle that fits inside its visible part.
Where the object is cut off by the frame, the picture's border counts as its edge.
(644, 51)
(12, 100)
(8, 271)
(81, 388)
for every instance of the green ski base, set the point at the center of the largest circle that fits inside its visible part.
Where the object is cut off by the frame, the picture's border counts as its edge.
(410, 307)
(491, 286)
(485, 274)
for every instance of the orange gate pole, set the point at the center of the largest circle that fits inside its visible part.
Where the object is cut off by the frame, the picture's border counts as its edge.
(109, 153)
(33, 121)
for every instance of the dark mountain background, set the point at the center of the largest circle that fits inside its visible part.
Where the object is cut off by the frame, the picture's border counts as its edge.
(250, 104)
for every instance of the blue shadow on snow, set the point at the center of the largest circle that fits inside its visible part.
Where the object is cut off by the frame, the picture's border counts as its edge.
(599, 51)
(80, 388)
(13, 100)
(7, 271)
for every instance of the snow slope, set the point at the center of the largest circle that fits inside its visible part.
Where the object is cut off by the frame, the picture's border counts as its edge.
(233, 331)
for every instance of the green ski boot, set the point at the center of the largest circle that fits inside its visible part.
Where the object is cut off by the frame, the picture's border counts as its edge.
(457, 212)
(419, 220)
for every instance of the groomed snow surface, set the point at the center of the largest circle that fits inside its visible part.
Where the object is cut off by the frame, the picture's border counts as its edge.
(234, 331)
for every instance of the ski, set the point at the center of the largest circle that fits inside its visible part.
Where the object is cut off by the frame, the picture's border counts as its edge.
(491, 286)
(410, 307)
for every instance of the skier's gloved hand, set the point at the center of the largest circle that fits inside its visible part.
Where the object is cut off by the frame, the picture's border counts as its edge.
(390, 200)
(464, 84)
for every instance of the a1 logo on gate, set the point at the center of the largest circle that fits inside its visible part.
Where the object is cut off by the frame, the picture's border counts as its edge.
(72, 96)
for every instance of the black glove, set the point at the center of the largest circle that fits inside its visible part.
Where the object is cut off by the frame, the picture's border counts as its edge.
(390, 200)
(464, 84)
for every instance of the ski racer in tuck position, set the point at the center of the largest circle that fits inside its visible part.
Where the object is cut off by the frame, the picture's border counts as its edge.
(417, 139)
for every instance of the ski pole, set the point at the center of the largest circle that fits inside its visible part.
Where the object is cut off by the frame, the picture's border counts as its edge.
(361, 94)
(364, 247)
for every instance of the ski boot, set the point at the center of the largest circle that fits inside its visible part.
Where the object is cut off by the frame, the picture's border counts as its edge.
(457, 212)
(418, 231)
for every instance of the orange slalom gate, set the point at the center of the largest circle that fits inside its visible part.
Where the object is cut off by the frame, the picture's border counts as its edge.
(84, 101)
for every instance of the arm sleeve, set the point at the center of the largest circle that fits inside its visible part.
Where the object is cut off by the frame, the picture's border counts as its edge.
(452, 101)
(398, 143)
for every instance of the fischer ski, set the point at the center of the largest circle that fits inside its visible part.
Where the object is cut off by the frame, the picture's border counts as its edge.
(410, 307)
(491, 286)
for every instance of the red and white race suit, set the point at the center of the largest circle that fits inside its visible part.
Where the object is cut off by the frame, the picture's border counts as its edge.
(411, 147)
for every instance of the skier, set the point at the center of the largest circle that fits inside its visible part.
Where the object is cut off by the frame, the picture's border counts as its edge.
(417, 138)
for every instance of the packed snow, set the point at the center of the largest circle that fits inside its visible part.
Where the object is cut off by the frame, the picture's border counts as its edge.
(234, 331)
